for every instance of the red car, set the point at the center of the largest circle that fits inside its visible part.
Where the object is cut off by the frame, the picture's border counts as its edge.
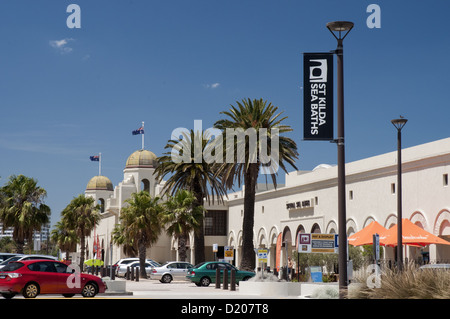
(34, 277)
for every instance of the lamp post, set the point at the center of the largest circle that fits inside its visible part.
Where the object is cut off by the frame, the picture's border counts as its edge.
(399, 124)
(337, 28)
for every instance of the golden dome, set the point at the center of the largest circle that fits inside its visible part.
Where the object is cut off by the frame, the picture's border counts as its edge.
(142, 158)
(100, 183)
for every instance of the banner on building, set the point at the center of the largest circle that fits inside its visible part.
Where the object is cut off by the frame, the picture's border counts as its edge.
(318, 96)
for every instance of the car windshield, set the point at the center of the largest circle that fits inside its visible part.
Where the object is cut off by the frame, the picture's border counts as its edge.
(7, 261)
(12, 266)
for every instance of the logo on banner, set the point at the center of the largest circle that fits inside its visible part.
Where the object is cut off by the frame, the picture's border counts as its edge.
(318, 73)
(318, 96)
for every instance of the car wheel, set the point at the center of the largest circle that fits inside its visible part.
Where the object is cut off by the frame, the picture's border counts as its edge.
(205, 281)
(8, 295)
(166, 279)
(90, 290)
(31, 290)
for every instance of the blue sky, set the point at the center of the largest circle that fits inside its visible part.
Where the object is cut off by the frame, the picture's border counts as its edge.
(67, 94)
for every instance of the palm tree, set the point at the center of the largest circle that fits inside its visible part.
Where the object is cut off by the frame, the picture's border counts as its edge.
(193, 174)
(140, 224)
(182, 217)
(22, 208)
(81, 216)
(263, 118)
(64, 237)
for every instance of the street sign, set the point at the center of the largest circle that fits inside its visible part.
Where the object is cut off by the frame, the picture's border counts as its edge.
(262, 255)
(229, 253)
(317, 243)
(215, 248)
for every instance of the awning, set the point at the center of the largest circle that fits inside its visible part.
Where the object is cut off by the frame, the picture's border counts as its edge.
(412, 235)
(365, 235)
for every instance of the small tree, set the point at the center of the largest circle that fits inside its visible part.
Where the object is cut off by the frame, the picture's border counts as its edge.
(182, 216)
(22, 208)
(140, 225)
(81, 216)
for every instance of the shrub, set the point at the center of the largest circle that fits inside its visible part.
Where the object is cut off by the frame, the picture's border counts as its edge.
(411, 283)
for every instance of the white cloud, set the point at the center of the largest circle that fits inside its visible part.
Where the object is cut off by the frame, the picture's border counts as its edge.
(212, 86)
(61, 45)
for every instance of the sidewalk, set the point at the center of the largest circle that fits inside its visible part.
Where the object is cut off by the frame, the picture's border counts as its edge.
(146, 288)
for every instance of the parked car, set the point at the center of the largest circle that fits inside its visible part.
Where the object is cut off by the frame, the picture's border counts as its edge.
(436, 266)
(4, 256)
(171, 270)
(45, 276)
(121, 269)
(25, 257)
(205, 273)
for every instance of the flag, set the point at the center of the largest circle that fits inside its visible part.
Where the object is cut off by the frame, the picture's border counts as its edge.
(95, 158)
(138, 131)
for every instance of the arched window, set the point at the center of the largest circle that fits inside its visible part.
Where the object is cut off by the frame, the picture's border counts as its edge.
(145, 185)
(101, 202)
(315, 229)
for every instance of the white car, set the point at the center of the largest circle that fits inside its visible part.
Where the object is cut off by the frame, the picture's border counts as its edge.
(172, 270)
(123, 264)
(26, 257)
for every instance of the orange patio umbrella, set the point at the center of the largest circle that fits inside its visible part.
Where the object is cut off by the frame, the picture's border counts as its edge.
(412, 235)
(365, 235)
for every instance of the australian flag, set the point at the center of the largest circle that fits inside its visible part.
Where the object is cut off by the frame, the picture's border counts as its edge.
(138, 131)
(95, 158)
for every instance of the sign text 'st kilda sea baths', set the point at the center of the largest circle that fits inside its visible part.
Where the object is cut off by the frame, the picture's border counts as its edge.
(318, 96)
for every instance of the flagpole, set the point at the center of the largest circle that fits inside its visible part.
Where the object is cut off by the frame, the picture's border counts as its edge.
(143, 134)
(99, 164)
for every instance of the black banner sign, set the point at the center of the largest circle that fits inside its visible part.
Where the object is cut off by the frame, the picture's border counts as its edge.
(318, 96)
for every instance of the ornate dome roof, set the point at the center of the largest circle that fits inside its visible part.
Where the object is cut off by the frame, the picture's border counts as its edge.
(100, 183)
(142, 158)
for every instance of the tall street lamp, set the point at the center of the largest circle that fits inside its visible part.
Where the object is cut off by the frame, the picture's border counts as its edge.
(340, 29)
(399, 124)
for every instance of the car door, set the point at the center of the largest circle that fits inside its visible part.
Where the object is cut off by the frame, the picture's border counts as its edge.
(43, 274)
(61, 276)
(180, 271)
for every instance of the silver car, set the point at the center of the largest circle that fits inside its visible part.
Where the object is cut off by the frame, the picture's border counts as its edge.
(172, 270)
(121, 269)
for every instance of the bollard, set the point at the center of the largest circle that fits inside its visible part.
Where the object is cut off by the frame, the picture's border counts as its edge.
(225, 279)
(128, 273)
(137, 273)
(113, 274)
(233, 280)
(217, 278)
(131, 274)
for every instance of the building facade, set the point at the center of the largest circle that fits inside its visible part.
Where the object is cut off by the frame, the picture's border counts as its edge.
(306, 203)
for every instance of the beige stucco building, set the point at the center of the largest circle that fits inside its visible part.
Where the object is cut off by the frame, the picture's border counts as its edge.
(307, 202)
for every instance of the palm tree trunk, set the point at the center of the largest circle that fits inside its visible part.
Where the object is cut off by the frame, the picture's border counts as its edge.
(199, 234)
(142, 256)
(182, 247)
(82, 251)
(248, 253)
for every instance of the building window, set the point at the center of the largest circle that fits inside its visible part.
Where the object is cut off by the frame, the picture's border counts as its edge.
(215, 223)
(393, 188)
(445, 179)
(262, 209)
(350, 195)
(101, 203)
(316, 200)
